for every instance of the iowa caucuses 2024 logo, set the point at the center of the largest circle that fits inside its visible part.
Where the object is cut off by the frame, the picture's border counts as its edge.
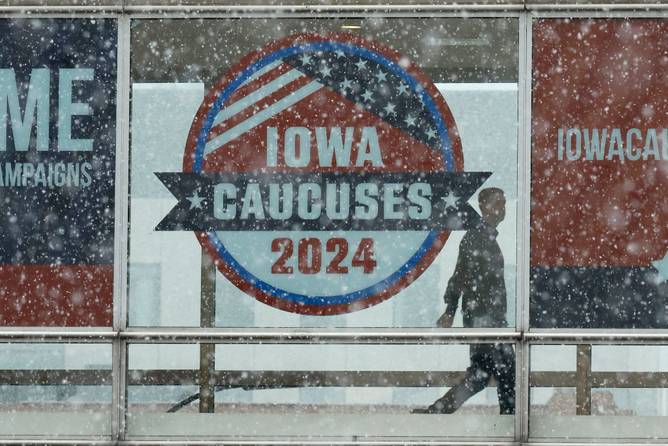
(323, 174)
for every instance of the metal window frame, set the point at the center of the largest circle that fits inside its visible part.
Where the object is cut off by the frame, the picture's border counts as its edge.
(120, 335)
(568, 11)
(580, 337)
(295, 6)
(119, 388)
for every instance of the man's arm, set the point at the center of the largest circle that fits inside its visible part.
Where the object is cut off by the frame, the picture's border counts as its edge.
(455, 287)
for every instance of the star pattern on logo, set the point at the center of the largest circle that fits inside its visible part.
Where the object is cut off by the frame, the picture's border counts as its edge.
(450, 200)
(195, 200)
(368, 96)
(374, 87)
(305, 59)
(326, 71)
(361, 64)
(380, 76)
(346, 85)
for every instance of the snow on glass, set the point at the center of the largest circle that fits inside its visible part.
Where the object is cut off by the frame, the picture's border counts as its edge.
(598, 237)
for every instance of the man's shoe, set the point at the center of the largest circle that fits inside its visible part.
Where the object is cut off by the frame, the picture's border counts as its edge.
(437, 407)
(431, 409)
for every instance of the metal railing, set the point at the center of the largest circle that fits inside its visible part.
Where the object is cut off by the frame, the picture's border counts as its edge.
(583, 379)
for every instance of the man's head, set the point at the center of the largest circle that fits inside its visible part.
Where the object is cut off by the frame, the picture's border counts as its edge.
(492, 203)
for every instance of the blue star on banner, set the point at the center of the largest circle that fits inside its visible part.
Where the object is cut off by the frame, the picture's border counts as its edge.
(195, 201)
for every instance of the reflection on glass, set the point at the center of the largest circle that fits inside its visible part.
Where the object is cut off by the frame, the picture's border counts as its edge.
(488, 361)
(598, 391)
(478, 279)
(281, 390)
(55, 389)
(478, 282)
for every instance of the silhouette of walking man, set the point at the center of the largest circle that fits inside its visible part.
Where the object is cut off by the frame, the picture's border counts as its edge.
(478, 281)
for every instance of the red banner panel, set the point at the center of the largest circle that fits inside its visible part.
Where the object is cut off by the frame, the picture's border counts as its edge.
(599, 235)
(65, 295)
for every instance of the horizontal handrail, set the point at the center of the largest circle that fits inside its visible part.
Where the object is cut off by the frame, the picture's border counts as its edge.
(273, 379)
(334, 336)
(278, 335)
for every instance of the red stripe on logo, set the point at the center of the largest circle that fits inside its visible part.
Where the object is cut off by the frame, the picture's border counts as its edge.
(56, 296)
(258, 106)
(267, 77)
(326, 108)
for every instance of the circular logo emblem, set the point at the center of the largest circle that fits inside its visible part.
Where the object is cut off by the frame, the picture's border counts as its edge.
(323, 174)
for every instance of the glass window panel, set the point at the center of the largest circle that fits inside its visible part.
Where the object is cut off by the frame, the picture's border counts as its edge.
(57, 171)
(333, 392)
(473, 66)
(55, 390)
(599, 241)
(598, 391)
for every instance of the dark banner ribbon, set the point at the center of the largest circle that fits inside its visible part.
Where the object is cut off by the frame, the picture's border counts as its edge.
(321, 202)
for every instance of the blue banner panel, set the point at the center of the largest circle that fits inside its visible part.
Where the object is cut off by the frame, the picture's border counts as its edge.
(57, 168)
(619, 297)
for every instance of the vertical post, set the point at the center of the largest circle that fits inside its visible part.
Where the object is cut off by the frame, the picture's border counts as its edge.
(206, 388)
(207, 360)
(522, 319)
(121, 186)
(583, 381)
(119, 398)
(208, 292)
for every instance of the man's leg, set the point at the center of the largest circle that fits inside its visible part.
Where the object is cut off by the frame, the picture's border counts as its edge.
(476, 378)
(504, 372)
